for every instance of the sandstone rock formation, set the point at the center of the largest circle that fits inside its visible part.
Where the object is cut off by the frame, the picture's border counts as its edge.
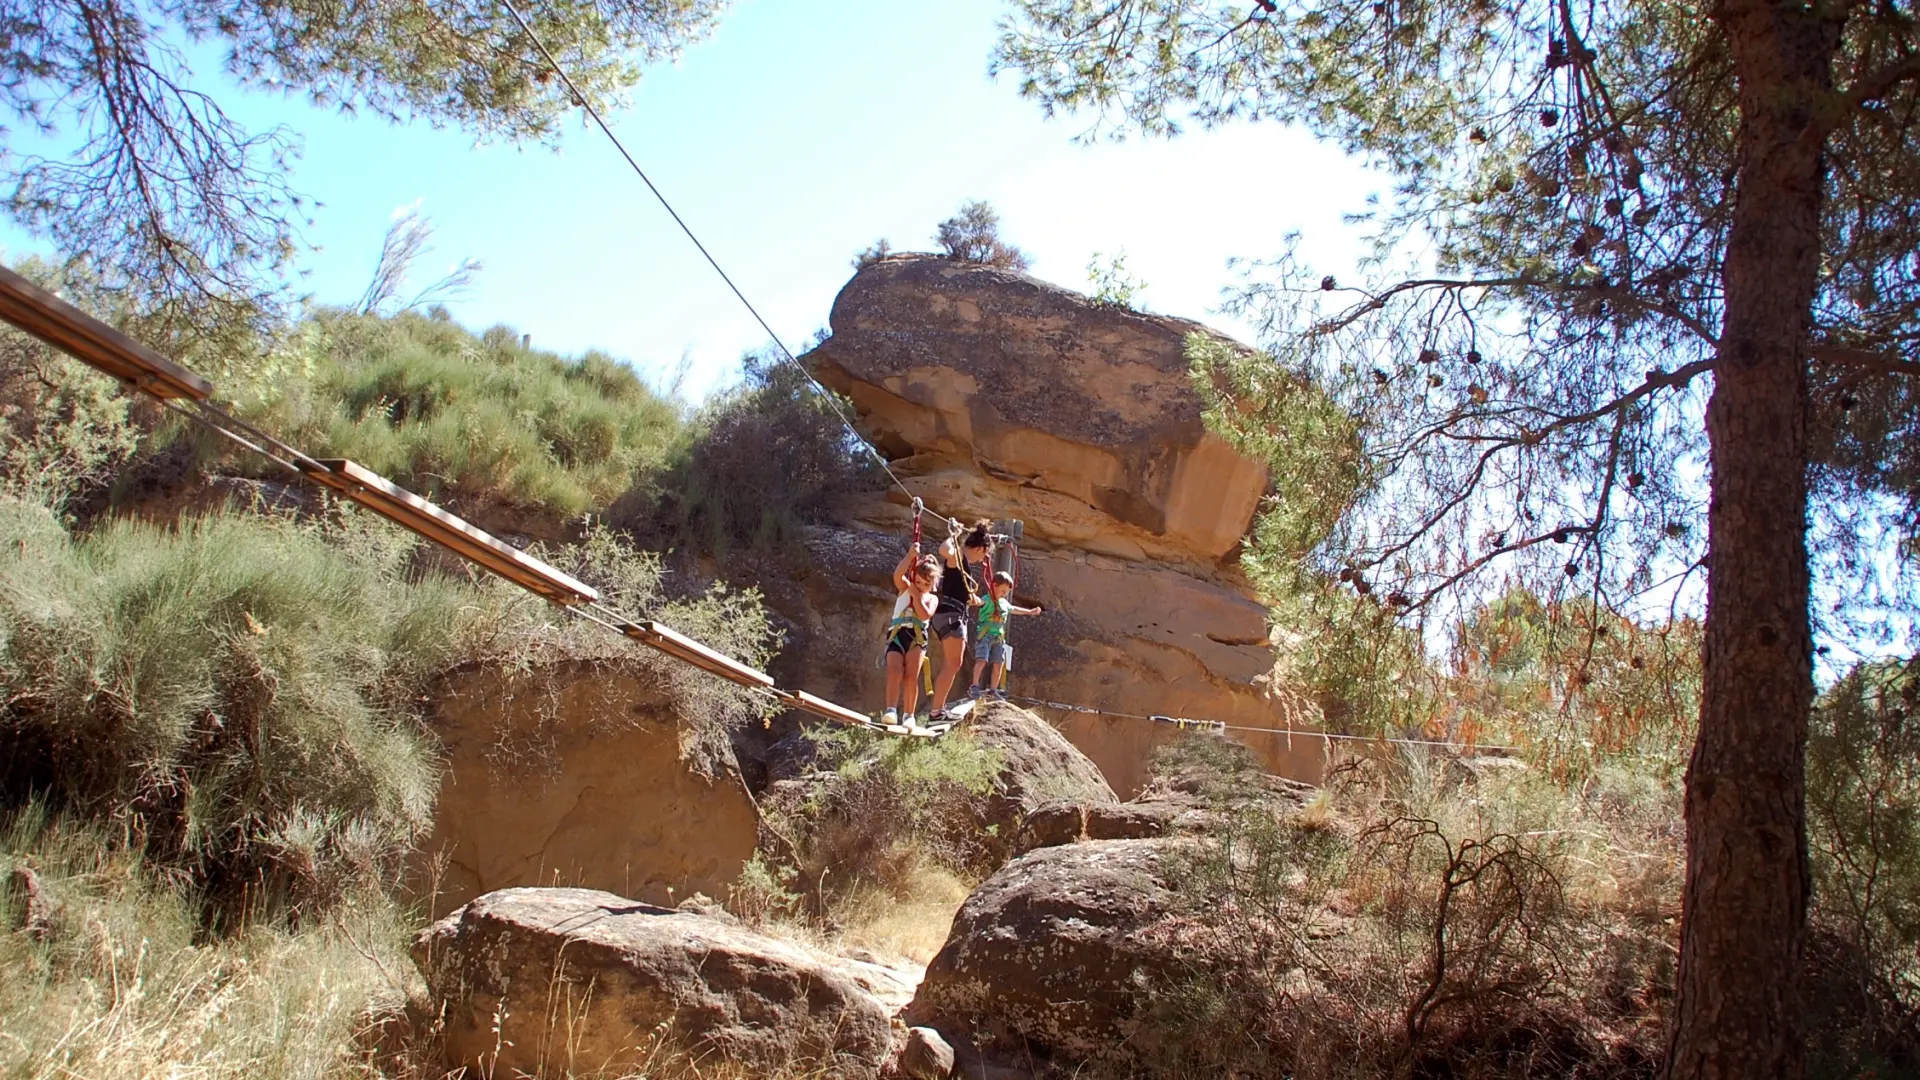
(1076, 417)
(574, 774)
(1051, 956)
(855, 814)
(997, 395)
(1070, 822)
(574, 981)
(1039, 765)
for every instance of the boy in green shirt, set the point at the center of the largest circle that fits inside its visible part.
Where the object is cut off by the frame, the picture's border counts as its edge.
(990, 633)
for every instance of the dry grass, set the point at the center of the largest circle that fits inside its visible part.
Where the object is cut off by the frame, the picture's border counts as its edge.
(118, 982)
(1422, 919)
(909, 923)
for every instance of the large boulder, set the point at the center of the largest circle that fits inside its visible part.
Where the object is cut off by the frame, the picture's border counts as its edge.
(1070, 822)
(1038, 765)
(998, 395)
(1078, 417)
(568, 982)
(577, 774)
(844, 822)
(1055, 954)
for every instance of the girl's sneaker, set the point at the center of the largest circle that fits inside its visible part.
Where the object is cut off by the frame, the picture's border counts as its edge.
(890, 717)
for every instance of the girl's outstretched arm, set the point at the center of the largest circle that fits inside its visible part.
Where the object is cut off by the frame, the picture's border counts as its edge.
(901, 578)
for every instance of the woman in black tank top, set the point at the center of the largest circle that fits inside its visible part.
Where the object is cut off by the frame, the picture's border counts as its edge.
(958, 585)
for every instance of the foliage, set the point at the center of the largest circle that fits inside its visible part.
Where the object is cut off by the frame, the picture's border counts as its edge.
(1527, 401)
(180, 207)
(973, 236)
(1595, 209)
(408, 239)
(1283, 417)
(732, 621)
(872, 253)
(1418, 917)
(1863, 813)
(239, 693)
(120, 983)
(64, 428)
(881, 816)
(1112, 285)
(761, 461)
(1577, 685)
(231, 692)
(466, 418)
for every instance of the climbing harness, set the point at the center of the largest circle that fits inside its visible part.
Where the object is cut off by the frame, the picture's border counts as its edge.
(907, 616)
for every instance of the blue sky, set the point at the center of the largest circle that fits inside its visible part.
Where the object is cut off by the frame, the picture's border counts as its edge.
(799, 133)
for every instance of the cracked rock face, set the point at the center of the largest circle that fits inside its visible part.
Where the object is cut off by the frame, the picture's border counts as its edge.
(562, 982)
(1006, 386)
(573, 774)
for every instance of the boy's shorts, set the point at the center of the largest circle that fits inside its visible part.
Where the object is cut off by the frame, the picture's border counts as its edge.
(994, 651)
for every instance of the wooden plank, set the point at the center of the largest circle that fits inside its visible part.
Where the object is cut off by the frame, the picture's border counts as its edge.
(411, 512)
(682, 647)
(94, 343)
(819, 706)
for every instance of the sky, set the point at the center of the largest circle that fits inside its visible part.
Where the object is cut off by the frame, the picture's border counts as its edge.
(799, 133)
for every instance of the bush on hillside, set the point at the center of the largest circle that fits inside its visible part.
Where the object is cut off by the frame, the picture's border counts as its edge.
(64, 427)
(465, 418)
(880, 814)
(973, 236)
(872, 253)
(1396, 926)
(765, 459)
(238, 696)
(119, 982)
(229, 694)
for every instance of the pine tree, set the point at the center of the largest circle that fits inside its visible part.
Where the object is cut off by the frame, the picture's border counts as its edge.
(1661, 229)
(175, 205)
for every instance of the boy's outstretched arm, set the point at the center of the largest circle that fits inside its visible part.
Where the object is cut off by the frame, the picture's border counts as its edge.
(1034, 610)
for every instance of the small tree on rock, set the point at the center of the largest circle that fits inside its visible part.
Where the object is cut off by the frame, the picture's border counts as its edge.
(973, 235)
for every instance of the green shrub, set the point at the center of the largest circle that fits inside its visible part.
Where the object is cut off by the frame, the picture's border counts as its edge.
(460, 417)
(1863, 833)
(239, 694)
(762, 461)
(882, 812)
(64, 427)
(231, 691)
(973, 235)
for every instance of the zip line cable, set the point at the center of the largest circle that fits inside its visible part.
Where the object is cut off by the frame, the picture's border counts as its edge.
(833, 402)
(826, 395)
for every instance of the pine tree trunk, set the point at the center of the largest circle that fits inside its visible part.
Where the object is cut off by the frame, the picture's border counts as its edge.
(1747, 875)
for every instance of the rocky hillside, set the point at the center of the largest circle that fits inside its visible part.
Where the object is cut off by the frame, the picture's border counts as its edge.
(998, 395)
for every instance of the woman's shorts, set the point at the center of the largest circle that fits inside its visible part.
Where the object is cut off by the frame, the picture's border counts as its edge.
(994, 651)
(950, 624)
